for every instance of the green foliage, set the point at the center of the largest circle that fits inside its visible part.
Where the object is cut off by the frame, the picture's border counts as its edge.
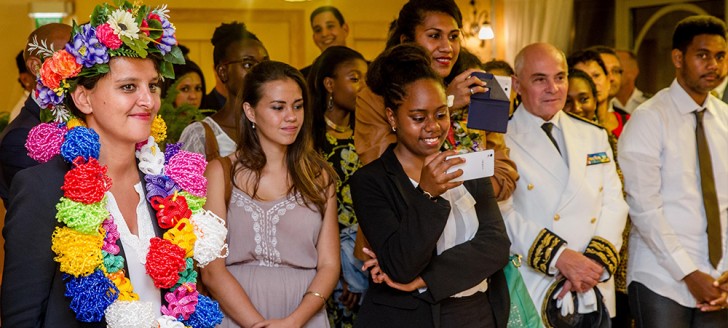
(177, 118)
(46, 115)
(137, 45)
(4, 119)
(175, 56)
(155, 29)
(124, 52)
(166, 70)
(98, 16)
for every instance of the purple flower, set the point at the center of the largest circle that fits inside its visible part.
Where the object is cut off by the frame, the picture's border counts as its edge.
(87, 48)
(159, 185)
(46, 97)
(168, 39)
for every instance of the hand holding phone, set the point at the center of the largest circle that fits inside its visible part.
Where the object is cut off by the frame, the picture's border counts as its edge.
(478, 164)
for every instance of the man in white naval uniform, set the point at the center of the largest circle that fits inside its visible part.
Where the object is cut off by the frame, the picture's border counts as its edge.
(567, 213)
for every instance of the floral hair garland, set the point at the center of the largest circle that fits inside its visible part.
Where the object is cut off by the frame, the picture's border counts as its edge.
(128, 30)
(86, 245)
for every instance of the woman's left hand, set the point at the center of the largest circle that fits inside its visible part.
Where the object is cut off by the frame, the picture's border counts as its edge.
(465, 85)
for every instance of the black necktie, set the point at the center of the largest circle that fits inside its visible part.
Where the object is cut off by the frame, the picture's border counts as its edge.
(710, 196)
(547, 127)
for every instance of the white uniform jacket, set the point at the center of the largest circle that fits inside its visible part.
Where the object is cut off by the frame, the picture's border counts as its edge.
(580, 206)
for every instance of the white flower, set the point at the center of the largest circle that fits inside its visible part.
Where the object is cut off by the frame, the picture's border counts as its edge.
(123, 24)
(60, 113)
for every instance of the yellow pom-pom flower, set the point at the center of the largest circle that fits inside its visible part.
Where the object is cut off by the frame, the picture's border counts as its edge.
(78, 254)
(75, 122)
(159, 129)
(183, 235)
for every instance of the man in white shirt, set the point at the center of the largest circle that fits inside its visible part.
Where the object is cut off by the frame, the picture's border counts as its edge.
(720, 90)
(629, 97)
(678, 203)
(567, 213)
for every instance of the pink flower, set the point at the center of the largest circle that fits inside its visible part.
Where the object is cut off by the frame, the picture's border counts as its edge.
(106, 35)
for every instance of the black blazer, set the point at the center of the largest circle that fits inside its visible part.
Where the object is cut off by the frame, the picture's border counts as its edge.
(13, 155)
(403, 226)
(32, 292)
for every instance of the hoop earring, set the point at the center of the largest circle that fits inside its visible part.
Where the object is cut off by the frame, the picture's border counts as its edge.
(394, 129)
(330, 105)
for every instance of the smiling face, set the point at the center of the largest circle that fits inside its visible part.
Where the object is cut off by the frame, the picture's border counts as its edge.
(121, 106)
(541, 80)
(422, 119)
(580, 100)
(327, 31)
(700, 68)
(190, 90)
(279, 114)
(440, 35)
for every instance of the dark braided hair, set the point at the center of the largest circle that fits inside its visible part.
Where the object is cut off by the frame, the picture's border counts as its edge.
(393, 70)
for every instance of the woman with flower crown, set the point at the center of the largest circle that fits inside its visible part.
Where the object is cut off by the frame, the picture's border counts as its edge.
(282, 221)
(96, 237)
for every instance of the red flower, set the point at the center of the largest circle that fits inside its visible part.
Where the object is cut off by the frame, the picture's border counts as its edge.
(144, 27)
(106, 35)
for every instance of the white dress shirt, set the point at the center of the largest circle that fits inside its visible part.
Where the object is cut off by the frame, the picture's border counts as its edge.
(658, 156)
(635, 99)
(720, 89)
(137, 247)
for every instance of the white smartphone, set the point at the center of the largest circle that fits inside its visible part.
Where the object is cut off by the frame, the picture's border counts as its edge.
(479, 164)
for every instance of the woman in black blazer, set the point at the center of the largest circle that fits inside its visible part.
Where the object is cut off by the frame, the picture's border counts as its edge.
(83, 231)
(441, 258)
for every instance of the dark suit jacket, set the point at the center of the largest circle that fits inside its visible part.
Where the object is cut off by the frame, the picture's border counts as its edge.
(32, 290)
(13, 156)
(403, 227)
(213, 100)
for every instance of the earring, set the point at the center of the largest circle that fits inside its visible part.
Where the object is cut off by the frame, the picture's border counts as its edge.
(252, 124)
(394, 129)
(330, 105)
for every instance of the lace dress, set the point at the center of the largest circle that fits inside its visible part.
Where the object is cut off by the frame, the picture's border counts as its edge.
(273, 253)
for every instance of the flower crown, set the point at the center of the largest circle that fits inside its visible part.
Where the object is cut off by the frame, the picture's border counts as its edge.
(126, 29)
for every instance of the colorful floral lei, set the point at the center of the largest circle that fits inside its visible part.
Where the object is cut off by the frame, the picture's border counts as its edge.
(128, 30)
(86, 246)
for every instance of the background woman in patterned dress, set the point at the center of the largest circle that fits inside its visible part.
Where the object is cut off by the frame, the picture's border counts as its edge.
(335, 78)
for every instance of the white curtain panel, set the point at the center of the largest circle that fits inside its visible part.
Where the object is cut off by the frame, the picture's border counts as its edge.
(529, 21)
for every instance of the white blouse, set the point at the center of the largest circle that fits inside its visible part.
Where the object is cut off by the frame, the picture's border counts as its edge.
(193, 138)
(137, 247)
(462, 224)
